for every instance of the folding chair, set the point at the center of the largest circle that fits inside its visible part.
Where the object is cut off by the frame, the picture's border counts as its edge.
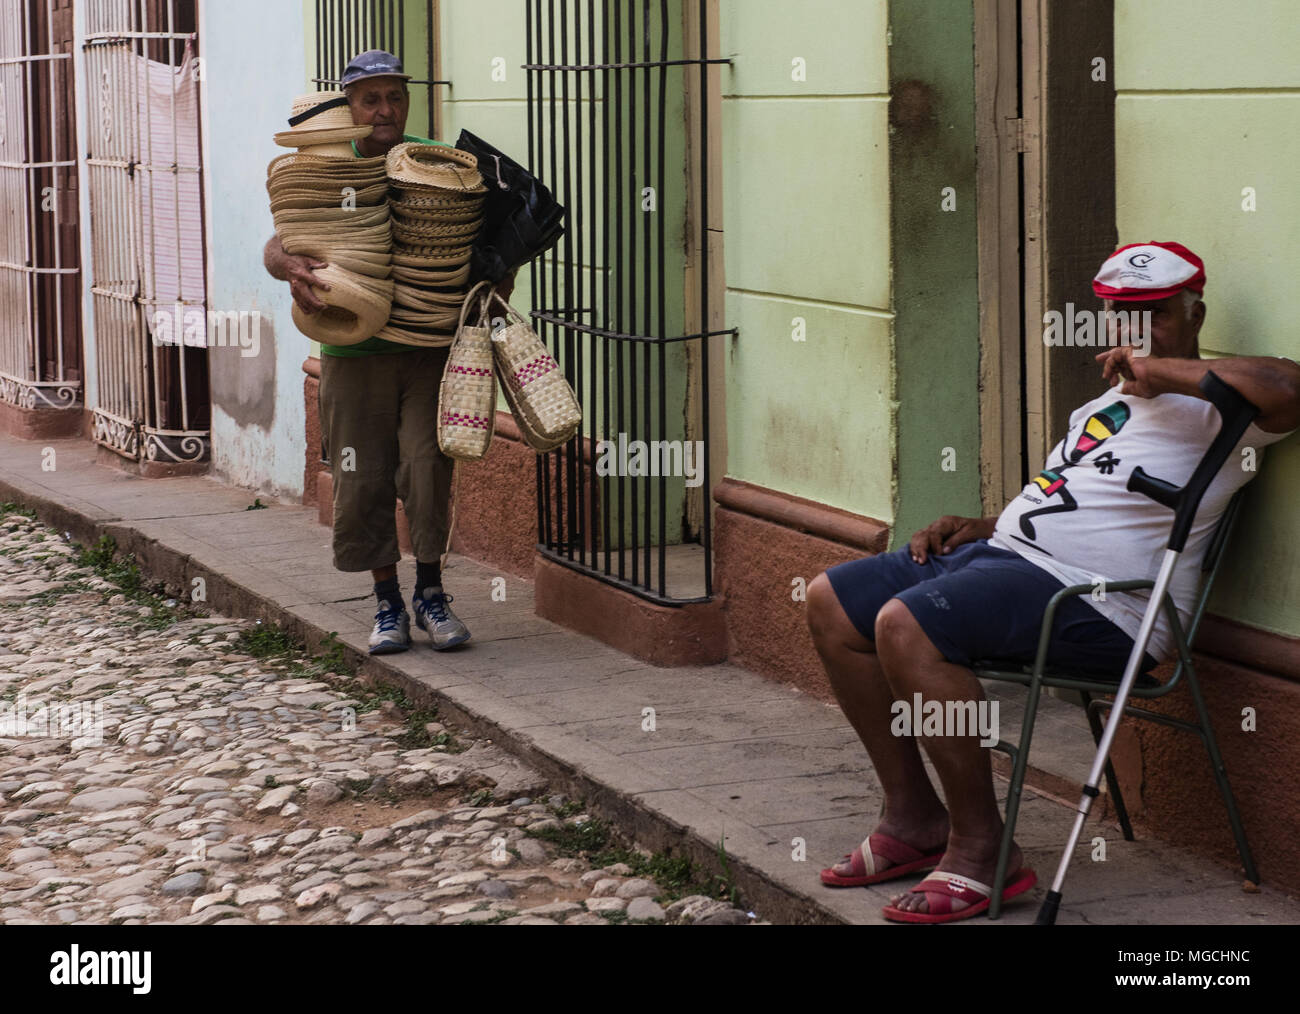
(1040, 675)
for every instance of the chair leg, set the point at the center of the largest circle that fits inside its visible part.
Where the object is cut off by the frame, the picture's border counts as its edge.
(1221, 777)
(1112, 783)
(1021, 758)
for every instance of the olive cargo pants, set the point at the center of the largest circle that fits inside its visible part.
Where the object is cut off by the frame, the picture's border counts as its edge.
(379, 423)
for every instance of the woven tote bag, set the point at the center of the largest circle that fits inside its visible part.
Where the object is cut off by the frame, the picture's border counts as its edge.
(541, 400)
(467, 397)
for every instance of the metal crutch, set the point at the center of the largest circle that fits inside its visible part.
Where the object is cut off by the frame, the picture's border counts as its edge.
(1237, 414)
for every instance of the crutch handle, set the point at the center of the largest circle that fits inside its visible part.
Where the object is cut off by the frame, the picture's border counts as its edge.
(1237, 414)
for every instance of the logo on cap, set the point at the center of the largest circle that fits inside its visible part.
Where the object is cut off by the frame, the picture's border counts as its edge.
(1149, 271)
(373, 63)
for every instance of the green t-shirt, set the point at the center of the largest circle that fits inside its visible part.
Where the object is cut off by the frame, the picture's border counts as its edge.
(375, 346)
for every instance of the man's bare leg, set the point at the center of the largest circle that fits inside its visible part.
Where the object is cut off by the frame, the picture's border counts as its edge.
(912, 664)
(912, 811)
(384, 574)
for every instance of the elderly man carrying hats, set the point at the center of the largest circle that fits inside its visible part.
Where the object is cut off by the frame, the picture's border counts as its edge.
(910, 623)
(379, 401)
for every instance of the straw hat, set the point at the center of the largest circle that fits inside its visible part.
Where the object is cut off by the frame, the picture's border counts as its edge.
(365, 251)
(363, 265)
(355, 308)
(337, 150)
(435, 166)
(310, 166)
(332, 197)
(416, 295)
(447, 216)
(456, 278)
(334, 216)
(434, 231)
(430, 196)
(296, 184)
(320, 118)
(369, 168)
(421, 257)
(404, 336)
(355, 237)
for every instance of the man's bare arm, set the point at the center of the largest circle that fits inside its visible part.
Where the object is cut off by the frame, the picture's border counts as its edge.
(297, 271)
(275, 259)
(1271, 384)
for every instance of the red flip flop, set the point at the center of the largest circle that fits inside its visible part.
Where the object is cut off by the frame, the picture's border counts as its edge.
(943, 888)
(905, 859)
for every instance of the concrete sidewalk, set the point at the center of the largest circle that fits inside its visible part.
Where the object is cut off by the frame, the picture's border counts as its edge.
(734, 757)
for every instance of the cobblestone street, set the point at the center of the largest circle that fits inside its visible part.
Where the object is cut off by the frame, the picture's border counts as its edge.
(158, 766)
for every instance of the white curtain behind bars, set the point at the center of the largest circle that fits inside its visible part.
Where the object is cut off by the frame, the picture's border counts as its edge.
(171, 210)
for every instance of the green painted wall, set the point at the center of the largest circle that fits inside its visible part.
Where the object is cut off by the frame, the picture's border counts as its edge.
(1206, 110)
(935, 259)
(807, 235)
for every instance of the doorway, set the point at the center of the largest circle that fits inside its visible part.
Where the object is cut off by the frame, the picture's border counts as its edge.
(1045, 135)
(40, 256)
(148, 282)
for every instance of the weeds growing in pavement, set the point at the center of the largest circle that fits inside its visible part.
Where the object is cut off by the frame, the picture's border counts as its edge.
(270, 644)
(569, 808)
(124, 573)
(597, 842)
(265, 641)
(9, 507)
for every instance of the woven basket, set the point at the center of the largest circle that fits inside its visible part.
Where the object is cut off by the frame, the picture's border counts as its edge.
(467, 397)
(541, 400)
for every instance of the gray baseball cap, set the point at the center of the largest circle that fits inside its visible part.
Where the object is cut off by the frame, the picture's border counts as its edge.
(373, 63)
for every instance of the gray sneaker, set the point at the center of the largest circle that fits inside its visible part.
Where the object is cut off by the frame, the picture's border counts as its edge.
(432, 614)
(392, 632)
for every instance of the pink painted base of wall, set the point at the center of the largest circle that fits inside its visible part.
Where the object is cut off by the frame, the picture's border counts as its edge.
(41, 424)
(756, 563)
(1174, 797)
(496, 503)
(662, 635)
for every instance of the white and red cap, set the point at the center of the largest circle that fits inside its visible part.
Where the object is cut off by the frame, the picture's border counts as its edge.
(1149, 271)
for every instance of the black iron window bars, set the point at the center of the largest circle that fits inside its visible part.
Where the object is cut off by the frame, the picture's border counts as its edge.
(345, 28)
(605, 300)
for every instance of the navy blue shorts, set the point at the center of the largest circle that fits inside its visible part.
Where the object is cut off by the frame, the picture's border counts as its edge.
(980, 603)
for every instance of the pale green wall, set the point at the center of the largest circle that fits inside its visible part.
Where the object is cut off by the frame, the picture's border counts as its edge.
(1208, 101)
(806, 198)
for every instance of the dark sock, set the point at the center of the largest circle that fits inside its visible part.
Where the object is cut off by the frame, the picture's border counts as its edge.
(427, 575)
(389, 593)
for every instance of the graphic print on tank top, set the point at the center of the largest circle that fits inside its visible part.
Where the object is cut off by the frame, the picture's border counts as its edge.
(1053, 482)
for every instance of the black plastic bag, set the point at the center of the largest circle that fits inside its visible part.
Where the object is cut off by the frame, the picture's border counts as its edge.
(521, 218)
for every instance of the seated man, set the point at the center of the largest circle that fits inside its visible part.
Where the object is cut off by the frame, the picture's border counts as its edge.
(912, 621)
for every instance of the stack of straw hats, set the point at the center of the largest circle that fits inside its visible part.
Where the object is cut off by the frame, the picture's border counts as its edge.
(333, 207)
(436, 200)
